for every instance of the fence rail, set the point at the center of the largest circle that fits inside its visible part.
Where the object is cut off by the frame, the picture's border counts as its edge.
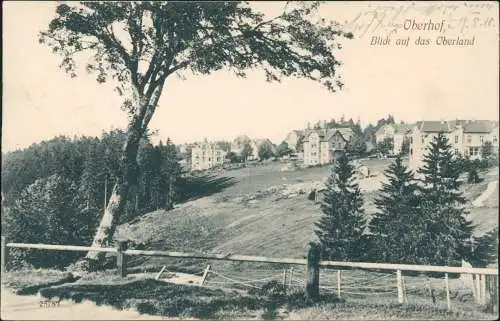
(262, 259)
(312, 264)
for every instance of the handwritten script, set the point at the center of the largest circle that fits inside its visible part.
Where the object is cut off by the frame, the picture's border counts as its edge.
(389, 18)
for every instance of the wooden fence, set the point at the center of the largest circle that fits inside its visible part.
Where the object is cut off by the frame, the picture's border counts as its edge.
(485, 286)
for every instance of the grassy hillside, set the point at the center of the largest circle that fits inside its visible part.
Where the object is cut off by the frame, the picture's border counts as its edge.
(266, 212)
(245, 218)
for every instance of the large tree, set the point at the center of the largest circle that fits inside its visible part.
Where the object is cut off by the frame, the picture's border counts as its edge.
(356, 145)
(397, 225)
(138, 45)
(340, 229)
(265, 150)
(446, 238)
(283, 149)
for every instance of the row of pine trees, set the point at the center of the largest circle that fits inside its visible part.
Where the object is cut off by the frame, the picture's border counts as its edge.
(418, 220)
(55, 191)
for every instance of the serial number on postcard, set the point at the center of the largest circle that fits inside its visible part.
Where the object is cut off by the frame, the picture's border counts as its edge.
(49, 304)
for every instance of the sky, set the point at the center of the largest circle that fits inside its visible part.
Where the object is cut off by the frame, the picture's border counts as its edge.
(411, 82)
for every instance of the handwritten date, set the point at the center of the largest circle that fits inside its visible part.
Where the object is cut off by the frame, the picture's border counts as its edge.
(390, 19)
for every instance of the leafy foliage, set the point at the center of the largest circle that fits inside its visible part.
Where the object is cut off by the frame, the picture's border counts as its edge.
(203, 37)
(246, 151)
(284, 149)
(340, 228)
(48, 212)
(356, 145)
(386, 146)
(265, 151)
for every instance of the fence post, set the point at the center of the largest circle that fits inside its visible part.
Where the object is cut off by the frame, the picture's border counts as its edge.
(313, 258)
(4, 254)
(338, 282)
(284, 277)
(405, 297)
(483, 289)
(290, 278)
(447, 285)
(399, 284)
(477, 285)
(205, 274)
(473, 285)
(431, 291)
(121, 264)
(492, 297)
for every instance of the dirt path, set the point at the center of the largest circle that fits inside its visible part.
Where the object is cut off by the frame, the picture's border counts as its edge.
(492, 186)
(16, 307)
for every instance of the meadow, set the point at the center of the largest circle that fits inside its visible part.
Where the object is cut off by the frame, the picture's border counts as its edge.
(257, 214)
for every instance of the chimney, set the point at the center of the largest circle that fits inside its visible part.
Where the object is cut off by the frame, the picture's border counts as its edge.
(308, 125)
(324, 124)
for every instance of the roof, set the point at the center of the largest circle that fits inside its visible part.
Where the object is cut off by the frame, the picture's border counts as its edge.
(326, 134)
(346, 133)
(469, 126)
(398, 128)
(435, 126)
(207, 145)
(480, 126)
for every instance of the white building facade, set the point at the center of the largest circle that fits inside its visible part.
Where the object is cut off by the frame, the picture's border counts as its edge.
(397, 132)
(322, 145)
(466, 137)
(206, 155)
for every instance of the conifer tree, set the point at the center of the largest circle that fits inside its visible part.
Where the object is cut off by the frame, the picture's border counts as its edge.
(396, 227)
(340, 229)
(447, 232)
(485, 249)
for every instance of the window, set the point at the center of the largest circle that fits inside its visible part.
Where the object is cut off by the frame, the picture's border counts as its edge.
(209, 159)
(456, 151)
(469, 139)
(423, 139)
(474, 151)
(495, 139)
(481, 139)
(411, 151)
(456, 139)
(411, 139)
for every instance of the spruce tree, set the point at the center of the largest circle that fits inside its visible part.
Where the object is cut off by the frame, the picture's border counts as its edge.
(485, 249)
(447, 232)
(395, 227)
(340, 228)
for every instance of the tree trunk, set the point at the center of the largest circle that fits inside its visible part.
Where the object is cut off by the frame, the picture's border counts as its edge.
(116, 203)
(137, 127)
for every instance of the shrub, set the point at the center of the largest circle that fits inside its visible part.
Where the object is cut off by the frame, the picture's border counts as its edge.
(48, 212)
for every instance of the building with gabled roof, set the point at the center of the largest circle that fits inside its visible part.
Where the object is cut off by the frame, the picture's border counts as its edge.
(397, 132)
(322, 146)
(465, 136)
(206, 155)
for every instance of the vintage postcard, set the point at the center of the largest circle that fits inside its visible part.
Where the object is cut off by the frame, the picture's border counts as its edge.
(289, 160)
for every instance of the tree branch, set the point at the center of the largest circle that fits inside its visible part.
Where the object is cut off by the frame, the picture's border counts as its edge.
(177, 67)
